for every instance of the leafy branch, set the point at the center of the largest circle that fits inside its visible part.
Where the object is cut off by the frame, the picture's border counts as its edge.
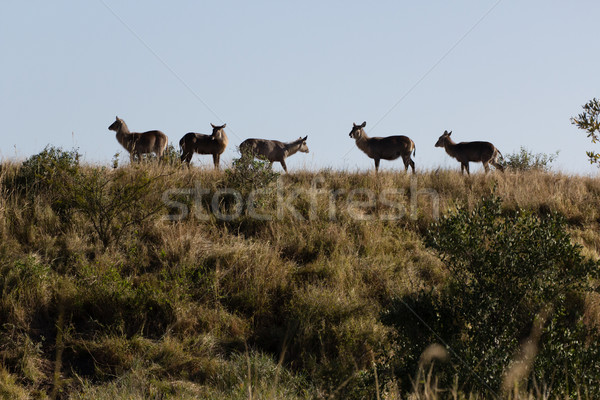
(112, 202)
(589, 121)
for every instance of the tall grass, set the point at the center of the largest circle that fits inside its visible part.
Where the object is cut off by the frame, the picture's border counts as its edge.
(281, 308)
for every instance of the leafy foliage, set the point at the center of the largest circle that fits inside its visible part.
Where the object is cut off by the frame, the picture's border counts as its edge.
(171, 156)
(525, 160)
(248, 173)
(44, 169)
(589, 121)
(114, 203)
(505, 270)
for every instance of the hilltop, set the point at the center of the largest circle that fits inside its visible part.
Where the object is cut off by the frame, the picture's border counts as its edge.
(156, 281)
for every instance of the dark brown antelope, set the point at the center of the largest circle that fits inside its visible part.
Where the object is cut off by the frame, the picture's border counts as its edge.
(384, 148)
(139, 143)
(200, 143)
(464, 152)
(273, 150)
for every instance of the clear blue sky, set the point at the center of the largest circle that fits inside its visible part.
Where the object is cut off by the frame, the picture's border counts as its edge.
(513, 75)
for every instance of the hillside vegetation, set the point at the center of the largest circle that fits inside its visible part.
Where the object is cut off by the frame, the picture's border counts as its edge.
(154, 281)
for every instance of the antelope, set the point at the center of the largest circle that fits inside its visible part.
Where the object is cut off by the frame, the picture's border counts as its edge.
(384, 148)
(273, 150)
(139, 143)
(200, 143)
(483, 152)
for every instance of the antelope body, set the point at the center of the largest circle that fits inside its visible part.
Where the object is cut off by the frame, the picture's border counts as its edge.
(384, 148)
(273, 150)
(200, 143)
(139, 143)
(465, 152)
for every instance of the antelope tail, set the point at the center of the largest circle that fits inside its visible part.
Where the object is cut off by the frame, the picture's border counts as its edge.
(414, 149)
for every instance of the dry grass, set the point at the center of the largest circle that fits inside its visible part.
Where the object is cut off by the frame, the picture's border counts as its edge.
(168, 310)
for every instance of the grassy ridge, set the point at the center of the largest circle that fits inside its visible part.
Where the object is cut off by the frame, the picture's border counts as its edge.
(98, 302)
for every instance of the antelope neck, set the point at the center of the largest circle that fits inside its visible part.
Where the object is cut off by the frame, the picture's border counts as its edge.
(293, 147)
(123, 129)
(362, 141)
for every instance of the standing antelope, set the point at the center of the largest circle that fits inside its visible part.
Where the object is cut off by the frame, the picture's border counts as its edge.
(483, 152)
(139, 143)
(273, 150)
(384, 148)
(200, 143)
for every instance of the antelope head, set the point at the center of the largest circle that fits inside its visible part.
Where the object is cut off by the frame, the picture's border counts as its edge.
(218, 130)
(115, 126)
(303, 147)
(442, 140)
(357, 130)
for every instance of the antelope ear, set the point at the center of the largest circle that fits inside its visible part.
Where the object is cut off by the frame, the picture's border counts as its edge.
(363, 124)
(354, 124)
(305, 137)
(212, 125)
(449, 133)
(116, 118)
(224, 125)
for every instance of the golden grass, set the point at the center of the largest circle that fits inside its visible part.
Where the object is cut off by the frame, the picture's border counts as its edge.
(313, 288)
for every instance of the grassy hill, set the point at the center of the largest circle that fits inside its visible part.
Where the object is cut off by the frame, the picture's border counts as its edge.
(155, 281)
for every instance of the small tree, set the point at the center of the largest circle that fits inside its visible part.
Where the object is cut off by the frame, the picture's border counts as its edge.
(45, 169)
(589, 121)
(507, 270)
(525, 160)
(114, 202)
(248, 173)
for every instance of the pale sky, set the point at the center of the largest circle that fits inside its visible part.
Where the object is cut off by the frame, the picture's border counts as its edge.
(510, 72)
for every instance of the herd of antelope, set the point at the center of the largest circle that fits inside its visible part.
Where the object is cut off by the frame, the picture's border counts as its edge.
(377, 148)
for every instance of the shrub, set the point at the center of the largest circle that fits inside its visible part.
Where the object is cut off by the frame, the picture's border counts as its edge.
(525, 160)
(44, 169)
(247, 174)
(171, 156)
(113, 203)
(506, 271)
(253, 179)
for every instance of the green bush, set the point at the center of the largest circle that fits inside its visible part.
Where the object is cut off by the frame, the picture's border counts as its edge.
(254, 180)
(44, 169)
(247, 174)
(171, 156)
(506, 270)
(113, 203)
(525, 160)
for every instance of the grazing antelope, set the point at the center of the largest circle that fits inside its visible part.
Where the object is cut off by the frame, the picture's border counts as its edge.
(139, 143)
(384, 148)
(200, 143)
(273, 150)
(483, 152)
